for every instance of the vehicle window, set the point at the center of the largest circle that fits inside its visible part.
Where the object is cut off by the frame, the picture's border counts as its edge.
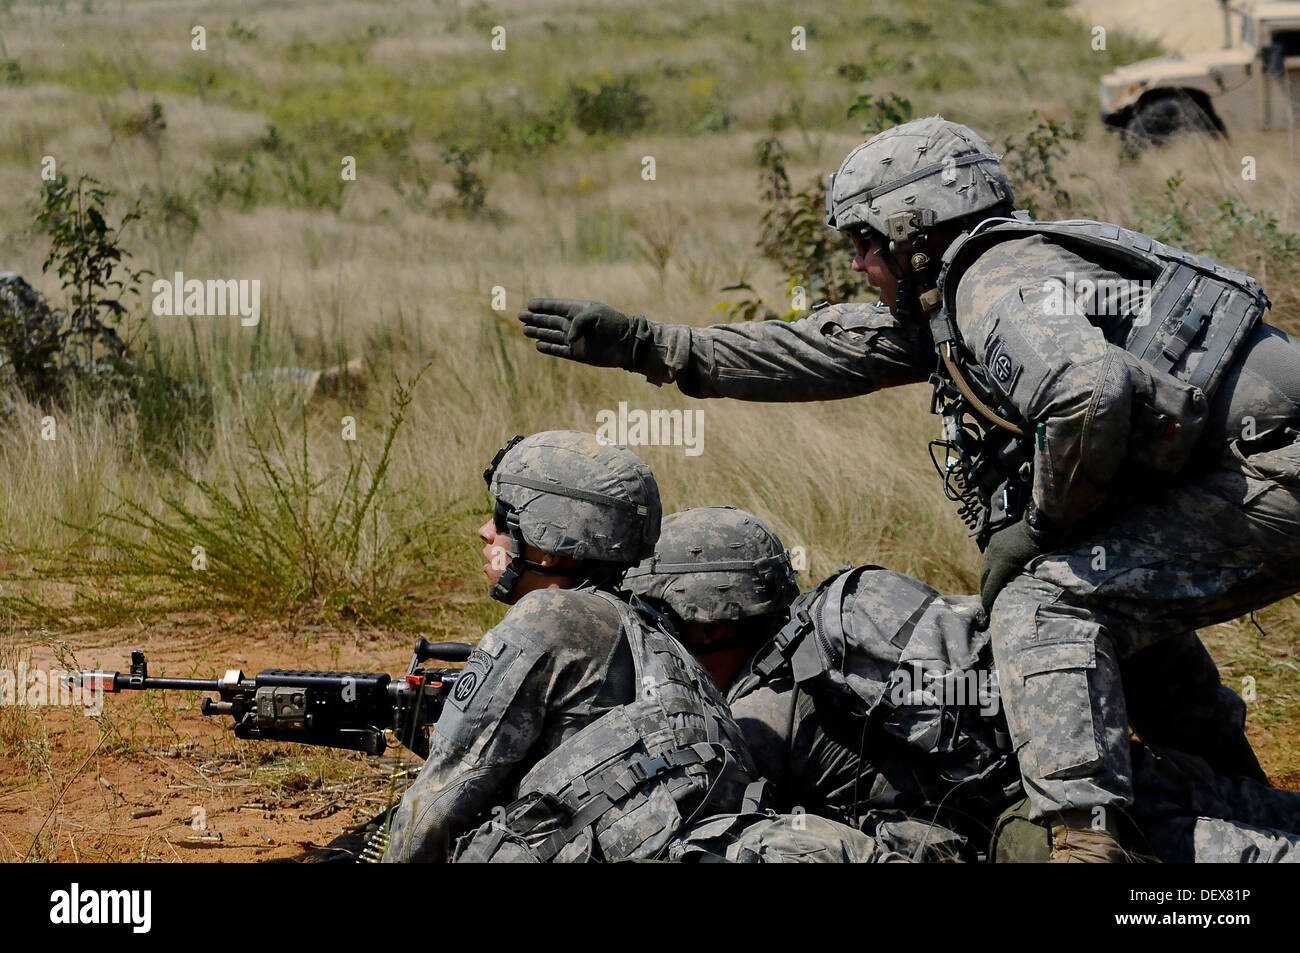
(1289, 40)
(1247, 30)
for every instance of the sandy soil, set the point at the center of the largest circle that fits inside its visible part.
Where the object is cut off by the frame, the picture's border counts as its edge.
(155, 781)
(160, 782)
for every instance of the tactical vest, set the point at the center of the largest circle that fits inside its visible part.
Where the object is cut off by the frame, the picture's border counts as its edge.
(883, 647)
(627, 784)
(1196, 316)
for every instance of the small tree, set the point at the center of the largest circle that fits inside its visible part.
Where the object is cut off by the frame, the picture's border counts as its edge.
(82, 340)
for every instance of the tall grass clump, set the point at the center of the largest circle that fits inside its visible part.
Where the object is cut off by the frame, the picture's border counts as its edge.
(281, 536)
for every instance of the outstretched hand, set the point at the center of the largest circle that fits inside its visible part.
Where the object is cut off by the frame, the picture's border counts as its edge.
(586, 331)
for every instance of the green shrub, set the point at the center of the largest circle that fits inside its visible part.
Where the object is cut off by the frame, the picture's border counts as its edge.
(793, 235)
(466, 183)
(881, 112)
(615, 108)
(1030, 163)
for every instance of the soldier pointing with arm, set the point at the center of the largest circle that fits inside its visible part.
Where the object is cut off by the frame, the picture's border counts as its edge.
(1128, 462)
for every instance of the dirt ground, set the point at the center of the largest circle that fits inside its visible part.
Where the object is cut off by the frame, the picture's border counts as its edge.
(154, 780)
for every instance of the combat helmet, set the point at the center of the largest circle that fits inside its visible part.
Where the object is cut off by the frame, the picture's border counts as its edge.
(569, 494)
(717, 563)
(907, 179)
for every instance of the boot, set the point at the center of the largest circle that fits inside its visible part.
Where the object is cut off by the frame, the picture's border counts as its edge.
(1076, 841)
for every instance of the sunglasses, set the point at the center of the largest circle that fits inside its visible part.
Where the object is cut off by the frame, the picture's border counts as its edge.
(864, 240)
(501, 516)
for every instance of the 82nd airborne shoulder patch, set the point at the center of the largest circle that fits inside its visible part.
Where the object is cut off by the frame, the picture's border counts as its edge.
(471, 677)
(1003, 366)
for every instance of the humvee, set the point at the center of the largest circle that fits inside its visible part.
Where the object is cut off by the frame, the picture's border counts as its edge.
(1252, 83)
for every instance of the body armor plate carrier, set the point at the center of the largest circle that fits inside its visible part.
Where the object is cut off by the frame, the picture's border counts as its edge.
(629, 782)
(1195, 316)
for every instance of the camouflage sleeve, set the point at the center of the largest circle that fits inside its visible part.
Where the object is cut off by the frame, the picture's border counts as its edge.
(1053, 366)
(542, 665)
(842, 350)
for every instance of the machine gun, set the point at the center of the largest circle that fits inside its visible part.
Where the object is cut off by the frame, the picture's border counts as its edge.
(333, 709)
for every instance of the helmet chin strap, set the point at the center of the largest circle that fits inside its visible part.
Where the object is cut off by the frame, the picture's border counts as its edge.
(905, 295)
(504, 587)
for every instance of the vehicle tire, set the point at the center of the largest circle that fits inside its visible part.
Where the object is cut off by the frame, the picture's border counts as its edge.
(1160, 119)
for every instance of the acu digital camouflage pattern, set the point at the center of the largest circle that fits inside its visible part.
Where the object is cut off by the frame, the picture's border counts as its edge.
(818, 753)
(869, 701)
(715, 563)
(768, 838)
(575, 496)
(544, 686)
(1193, 555)
(927, 163)
(1189, 813)
(1149, 556)
(626, 785)
(554, 664)
(1097, 407)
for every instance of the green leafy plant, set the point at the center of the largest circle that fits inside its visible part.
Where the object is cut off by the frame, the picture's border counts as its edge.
(244, 34)
(243, 183)
(466, 183)
(1030, 163)
(880, 112)
(148, 124)
(1231, 232)
(310, 187)
(51, 349)
(793, 235)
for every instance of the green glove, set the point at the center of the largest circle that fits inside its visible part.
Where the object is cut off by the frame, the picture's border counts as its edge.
(587, 331)
(1008, 552)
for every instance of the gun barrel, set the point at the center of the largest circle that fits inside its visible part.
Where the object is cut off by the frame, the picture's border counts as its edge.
(126, 681)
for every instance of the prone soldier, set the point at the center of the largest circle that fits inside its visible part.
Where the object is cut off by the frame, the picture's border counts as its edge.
(872, 700)
(594, 733)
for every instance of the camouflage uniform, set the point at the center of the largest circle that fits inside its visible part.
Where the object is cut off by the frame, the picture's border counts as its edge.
(780, 839)
(578, 716)
(908, 759)
(1188, 813)
(1155, 509)
(876, 704)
